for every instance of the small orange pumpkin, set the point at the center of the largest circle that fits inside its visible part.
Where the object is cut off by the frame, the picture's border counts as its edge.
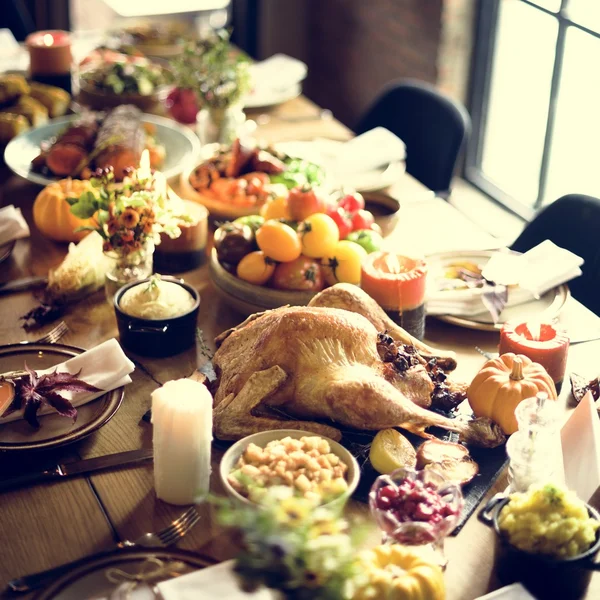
(503, 383)
(52, 213)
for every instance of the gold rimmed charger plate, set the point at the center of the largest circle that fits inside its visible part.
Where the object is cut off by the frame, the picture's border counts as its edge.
(546, 307)
(54, 430)
(89, 578)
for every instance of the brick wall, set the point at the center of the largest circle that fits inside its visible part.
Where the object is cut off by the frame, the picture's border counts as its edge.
(354, 47)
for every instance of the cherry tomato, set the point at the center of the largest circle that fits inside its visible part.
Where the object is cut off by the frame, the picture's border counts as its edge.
(300, 274)
(278, 241)
(255, 268)
(319, 235)
(362, 219)
(343, 264)
(352, 202)
(342, 220)
(276, 209)
(304, 201)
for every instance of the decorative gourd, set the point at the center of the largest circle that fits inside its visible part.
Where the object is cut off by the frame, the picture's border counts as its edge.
(394, 572)
(503, 383)
(52, 213)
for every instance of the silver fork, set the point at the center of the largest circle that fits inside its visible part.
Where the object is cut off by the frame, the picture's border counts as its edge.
(161, 539)
(488, 355)
(55, 334)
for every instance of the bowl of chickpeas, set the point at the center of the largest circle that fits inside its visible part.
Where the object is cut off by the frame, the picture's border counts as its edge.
(316, 467)
(546, 538)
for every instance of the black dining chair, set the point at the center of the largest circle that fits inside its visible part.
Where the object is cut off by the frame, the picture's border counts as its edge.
(433, 126)
(571, 222)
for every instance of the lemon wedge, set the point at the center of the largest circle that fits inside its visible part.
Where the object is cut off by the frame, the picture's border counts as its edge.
(390, 450)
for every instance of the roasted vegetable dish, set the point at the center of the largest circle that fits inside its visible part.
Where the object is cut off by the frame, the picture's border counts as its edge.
(99, 140)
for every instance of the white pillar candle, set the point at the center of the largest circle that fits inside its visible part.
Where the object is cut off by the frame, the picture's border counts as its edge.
(182, 420)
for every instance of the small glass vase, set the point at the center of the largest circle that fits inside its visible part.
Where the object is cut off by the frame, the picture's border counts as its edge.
(424, 538)
(133, 266)
(219, 125)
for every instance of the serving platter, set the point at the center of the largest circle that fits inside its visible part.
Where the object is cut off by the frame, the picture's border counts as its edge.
(182, 146)
(94, 576)
(247, 298)
(547, 307)
(54, 431)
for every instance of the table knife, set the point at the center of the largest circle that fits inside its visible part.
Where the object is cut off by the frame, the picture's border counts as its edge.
(21, 285)
(78, 467)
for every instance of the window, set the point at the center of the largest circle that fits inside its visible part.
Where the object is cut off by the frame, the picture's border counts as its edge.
(536, 101)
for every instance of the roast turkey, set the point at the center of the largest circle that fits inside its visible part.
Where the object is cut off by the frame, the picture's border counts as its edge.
(340, 361)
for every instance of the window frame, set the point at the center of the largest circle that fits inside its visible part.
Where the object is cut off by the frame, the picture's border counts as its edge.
(486, 27)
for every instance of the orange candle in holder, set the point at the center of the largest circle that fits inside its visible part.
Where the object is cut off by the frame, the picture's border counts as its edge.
(397, 283)
(50, 57)
(543, 343)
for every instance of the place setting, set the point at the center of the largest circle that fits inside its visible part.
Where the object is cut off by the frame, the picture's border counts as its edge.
(245, 365)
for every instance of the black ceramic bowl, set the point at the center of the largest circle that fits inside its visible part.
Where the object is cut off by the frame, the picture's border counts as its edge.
(544, 576)
(157, 337)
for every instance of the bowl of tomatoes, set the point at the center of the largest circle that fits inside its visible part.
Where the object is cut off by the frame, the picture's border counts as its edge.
(299, 244)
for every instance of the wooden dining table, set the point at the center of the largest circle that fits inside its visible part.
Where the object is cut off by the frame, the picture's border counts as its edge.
(46, 525)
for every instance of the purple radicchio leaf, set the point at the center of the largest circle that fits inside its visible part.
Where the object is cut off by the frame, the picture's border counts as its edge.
(494, 298)
(34, 391)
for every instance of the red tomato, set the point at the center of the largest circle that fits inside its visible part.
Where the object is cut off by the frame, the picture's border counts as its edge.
(362, 219)
(342, 220)
(301, 274)
(304, 201)
(352, 202)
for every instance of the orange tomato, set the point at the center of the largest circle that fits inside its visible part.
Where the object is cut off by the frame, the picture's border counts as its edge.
(255, 268)
(343, 264)
(276, 209)
(319, 235)
(278, 241)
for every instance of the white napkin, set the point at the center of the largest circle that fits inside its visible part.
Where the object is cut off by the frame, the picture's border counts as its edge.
(375, 148)
(279, 72)
(511, 592)
(206, 584)
(105, 367)
(12, 225)
(580, 438)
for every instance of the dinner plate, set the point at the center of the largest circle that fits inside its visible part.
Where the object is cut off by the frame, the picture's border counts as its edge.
(54, 430)
(547, 306)
(99, 575)
(267, 97)
(181, 145)
(324, 152)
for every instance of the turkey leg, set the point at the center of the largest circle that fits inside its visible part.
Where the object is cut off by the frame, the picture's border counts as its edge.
(234, 417)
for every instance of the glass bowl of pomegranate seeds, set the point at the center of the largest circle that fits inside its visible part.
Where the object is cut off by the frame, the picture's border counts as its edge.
(415, 507)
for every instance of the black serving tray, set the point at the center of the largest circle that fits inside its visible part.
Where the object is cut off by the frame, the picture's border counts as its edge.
(491, 462)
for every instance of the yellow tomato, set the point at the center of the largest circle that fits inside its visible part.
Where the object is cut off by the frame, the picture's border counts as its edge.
(319, 235)
(278, 241)
(342, 265)
(255, 268)
(276, 209)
